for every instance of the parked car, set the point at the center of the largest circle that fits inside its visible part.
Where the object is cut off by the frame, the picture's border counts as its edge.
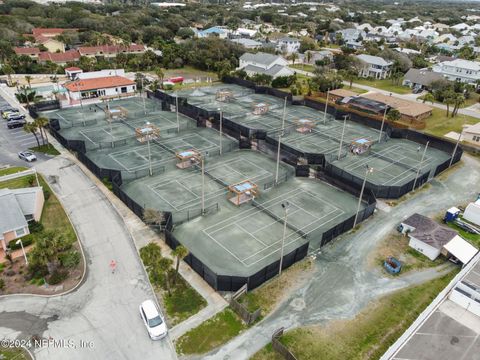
(153, 320)
(16, 123)
(27, 156)
(417, 90)
(6, 108)
(15, 116)
(6, 114)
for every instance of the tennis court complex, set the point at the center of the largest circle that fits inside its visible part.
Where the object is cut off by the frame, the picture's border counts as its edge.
(393, 163)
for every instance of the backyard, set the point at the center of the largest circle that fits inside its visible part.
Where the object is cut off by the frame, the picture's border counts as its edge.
(439, 124)
(368, 335)
(384, 84)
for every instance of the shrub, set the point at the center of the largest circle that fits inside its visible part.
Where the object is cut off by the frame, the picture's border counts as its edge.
(107, 183)
(35, 227)
(37, 270)
(2, 284)
(57, 277)
(26, 240)
(283, 81)
(70, 259)
(46, 194)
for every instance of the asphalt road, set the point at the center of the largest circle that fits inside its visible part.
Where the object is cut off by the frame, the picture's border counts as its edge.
(103, 311)
(344, 282)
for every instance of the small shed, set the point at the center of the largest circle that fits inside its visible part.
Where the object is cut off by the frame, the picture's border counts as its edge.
(187, 158)
(242, 192)
(472, 213)
(360, 146)
(460, 249)
(260, 108)
(305, 125)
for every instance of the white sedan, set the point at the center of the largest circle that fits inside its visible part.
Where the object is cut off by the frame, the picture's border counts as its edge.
(153, 320)
(27, 156)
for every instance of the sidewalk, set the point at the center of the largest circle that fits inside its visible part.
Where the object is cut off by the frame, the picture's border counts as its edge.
(143, 235)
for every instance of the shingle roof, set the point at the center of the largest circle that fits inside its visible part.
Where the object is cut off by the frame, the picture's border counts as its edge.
(422, 77)
(11, 215)
(110, 49)
(71, 55)
(429, 231)
(405, 107)
(464, 64)
(98, 83)
(376, 60)
(26, 198)
(26, 50)
(260, 58)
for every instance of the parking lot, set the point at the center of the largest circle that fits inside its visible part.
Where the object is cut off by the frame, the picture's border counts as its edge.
(13, 141)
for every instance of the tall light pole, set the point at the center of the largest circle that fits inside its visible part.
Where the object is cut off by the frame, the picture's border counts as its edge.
(457, 143)
(383, 122)
(368, 170)
(285, 206)
(144, 133)
(143, 97)
(81, 104)
(420, 165)
(280, 135)
(341, 139)
(19, 241)
(220, 128)
(326, 106)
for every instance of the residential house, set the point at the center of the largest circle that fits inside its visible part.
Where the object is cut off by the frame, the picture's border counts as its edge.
(426, 235)
(420, 78)
(471, 134)
(459, 70)
(73, 72)
(31, 52)
(263, 63)
(350, 35)
(220, 31)
(91, 90)
(110, 51)
(315, 56)
(248, 43)
(59, 58)
(17, 208)
(288, 45)
(374, 66)
(47, 38)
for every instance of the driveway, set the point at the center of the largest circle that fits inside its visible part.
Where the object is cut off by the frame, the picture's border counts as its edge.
(343, 282)
(104, 309)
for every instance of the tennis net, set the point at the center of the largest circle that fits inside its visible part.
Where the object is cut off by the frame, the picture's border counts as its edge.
(279, 219)
(394, 161)
(214, 178)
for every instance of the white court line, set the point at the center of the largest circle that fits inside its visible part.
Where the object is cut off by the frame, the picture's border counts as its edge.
(256, 210)
(249, 233)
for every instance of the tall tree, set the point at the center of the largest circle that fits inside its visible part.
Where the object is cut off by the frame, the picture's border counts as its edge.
(28, 78)
(180, 253)
(8, 70)
(32, 129)
(165, 265)
(42, 123)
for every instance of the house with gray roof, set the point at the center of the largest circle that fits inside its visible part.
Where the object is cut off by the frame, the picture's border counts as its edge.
(374, 66)
(288, 45)
(465, 71)
(263, 63)
(420, 78)
(17, 208)
(426, 235)
(248, 43)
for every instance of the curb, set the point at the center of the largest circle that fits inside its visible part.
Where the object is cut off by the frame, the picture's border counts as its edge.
(82, 280)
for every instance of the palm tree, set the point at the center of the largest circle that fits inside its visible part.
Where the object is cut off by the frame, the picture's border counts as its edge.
(29, 80)
(164, 265)
(32, 128)
(458, 101)
(180, 253)
(41, 123)
(428, 97)
(308, 56)
(394, 115)
(8, 70)
(293, 57)
(448, 100)
(160, 74)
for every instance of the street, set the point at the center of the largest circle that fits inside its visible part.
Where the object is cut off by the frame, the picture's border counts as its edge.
(103, 311)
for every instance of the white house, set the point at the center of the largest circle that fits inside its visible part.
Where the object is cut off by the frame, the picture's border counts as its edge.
(263, 63)
(288, 45)
(426, 235)
(248, 43)
(374, 66)
(459, 70)
(94, 89)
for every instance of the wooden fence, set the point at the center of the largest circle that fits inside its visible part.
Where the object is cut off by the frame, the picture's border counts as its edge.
(279, 347)
(241, 310)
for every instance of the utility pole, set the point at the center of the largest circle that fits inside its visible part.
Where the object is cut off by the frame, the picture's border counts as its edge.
(383, 122)
(420, 166)
(367, 171)
(176, 110)
(203, 185)
(220, 128)
(285, 206)
(456, 144)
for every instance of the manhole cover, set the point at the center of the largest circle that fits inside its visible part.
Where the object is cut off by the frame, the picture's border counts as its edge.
(454, 340)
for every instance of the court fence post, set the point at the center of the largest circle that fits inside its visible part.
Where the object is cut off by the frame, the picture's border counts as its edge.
(420, 166)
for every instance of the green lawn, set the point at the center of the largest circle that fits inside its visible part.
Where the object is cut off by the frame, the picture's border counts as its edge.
(46, 149)
(304, 67)
(188, 72)
(438, 124)
(14, 354)
(472, 100)
(474, 239)
(210, 334)
(12, 170)
(355, 89)
(385, 84)
(53, 216)
(368, 335)
(183, 303)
